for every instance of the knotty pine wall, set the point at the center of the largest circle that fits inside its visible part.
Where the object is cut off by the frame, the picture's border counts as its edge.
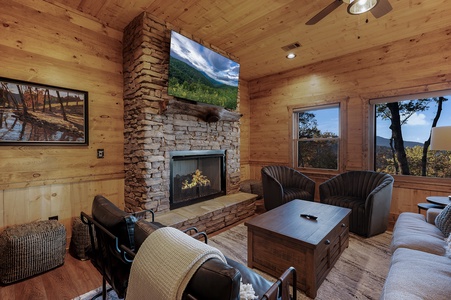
(44, 43)
(245, 120)
(418, 64)
(47, 44)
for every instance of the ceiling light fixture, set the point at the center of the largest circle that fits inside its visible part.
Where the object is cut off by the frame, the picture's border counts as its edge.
(357, 7)
(291, 55)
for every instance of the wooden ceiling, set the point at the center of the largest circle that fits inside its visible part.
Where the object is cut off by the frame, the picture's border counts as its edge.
(255, 31)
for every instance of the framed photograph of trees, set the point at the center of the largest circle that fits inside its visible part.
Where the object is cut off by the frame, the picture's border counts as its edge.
(38, 114)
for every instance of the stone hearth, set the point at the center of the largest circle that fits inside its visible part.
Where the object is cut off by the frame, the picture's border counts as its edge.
(212, 215)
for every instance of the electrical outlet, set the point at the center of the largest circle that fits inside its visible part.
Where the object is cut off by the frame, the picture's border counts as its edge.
(53, 218)
(100, 153)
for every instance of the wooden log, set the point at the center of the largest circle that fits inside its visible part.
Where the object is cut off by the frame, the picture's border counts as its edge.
(208, 113)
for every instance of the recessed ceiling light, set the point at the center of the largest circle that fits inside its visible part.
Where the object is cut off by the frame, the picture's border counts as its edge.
(291, 55)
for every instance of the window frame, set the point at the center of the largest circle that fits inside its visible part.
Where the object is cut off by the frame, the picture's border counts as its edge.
(294, 131)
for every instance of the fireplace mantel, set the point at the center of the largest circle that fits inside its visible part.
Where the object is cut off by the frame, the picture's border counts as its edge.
(206, 112)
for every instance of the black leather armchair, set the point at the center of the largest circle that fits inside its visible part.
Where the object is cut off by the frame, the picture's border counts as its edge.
(115, 242)
(221, 281)
(109, 229)
(282, 184)
(367, 193)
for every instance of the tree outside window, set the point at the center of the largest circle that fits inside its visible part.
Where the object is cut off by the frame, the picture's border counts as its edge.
(403, 133)
(316, 137)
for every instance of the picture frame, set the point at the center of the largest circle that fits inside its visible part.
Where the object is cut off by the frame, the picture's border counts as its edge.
(40, 114)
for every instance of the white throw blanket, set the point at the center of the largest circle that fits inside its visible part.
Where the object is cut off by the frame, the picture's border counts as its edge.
(165, 263)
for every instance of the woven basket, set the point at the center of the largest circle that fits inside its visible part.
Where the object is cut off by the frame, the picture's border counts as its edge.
(30, 249)
(80, 242)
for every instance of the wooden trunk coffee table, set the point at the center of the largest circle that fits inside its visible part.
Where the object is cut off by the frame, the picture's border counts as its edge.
(281, 238)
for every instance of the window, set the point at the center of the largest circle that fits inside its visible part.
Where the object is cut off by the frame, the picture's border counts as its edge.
(402, 131)
(316, 137)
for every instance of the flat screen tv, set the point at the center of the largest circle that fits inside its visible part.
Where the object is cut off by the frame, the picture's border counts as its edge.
(199, 74)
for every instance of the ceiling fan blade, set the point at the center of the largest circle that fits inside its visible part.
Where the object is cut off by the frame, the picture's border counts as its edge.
(322, 14)
(381, 9)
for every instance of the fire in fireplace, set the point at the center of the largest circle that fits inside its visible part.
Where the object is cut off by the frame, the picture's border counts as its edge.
(196, 176)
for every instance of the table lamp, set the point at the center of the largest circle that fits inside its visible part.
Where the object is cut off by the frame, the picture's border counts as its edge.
(441, 139)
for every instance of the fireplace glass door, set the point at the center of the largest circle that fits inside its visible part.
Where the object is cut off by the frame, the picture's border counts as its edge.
(196, 176)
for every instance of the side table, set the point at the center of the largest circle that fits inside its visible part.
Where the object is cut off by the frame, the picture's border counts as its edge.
(426, 206)
(439, 200)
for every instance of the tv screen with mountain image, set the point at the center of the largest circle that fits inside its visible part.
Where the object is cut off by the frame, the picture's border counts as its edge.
(199, 74)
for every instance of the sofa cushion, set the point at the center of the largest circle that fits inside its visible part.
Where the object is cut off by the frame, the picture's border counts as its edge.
(417, 275)
(432, 213)
(443, 220)
(413, 232)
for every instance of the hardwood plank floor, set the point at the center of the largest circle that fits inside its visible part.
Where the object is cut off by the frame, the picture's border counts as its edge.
(72, 279)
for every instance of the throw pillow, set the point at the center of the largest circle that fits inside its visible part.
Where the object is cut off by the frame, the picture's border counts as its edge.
(448, 246)
(247, 291)
(443, 220)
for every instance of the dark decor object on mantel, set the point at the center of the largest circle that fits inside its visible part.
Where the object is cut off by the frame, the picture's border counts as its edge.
(208, 113)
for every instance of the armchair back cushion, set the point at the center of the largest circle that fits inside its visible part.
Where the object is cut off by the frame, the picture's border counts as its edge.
(358, 184)
(367, 193)
(282, 184)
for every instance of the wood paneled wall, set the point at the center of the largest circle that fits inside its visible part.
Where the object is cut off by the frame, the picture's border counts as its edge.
(408, 66)
(53, 45)
(245, 111)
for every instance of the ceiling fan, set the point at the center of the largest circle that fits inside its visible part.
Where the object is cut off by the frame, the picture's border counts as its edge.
(378, 8)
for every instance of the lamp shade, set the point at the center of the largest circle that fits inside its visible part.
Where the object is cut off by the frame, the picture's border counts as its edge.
(441, 138)
(357, 7)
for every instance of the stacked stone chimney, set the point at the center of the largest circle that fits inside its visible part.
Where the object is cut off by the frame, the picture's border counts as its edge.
(152, 130)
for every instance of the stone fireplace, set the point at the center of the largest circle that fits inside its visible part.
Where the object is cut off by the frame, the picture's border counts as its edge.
(156, 125)
(196, 176)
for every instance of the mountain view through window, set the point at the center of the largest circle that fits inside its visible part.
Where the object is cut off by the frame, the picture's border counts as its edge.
(402, 136)
(316, 137)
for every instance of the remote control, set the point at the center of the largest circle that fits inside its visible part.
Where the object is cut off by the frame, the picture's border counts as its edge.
(310, 217)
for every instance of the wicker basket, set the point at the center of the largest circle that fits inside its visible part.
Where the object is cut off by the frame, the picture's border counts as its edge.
(80, 242)
(30, 249)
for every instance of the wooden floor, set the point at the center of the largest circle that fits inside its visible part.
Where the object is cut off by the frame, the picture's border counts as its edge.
(72, 279)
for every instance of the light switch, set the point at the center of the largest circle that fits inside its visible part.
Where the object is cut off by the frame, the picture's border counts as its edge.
(100, 153)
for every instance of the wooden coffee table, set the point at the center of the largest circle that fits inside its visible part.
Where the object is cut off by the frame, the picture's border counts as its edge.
(281, 238)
